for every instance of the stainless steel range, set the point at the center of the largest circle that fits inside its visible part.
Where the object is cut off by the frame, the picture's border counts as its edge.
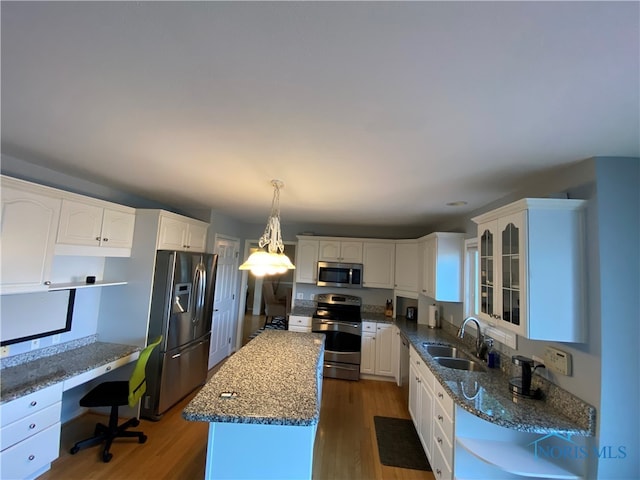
(338, 317)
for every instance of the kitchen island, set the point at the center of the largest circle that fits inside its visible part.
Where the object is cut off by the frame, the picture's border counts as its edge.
(264, 401)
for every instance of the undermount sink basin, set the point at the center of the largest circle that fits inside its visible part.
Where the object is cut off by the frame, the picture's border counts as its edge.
(460, 364)
(442, 351)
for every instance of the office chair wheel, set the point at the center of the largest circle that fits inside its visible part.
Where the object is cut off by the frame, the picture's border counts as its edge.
(142, 439)
(74, 450)
(135, 423)
(106, 457)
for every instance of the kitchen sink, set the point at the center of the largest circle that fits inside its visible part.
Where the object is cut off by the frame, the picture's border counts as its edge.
(442, 351)
(460, 364)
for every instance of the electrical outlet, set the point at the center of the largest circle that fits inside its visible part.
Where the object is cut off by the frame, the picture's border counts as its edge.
(55, 339)
(35, 343)
(4, 351)
(557, 360)
(299, 296)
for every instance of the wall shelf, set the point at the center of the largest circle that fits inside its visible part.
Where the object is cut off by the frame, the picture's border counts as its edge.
(68, 286)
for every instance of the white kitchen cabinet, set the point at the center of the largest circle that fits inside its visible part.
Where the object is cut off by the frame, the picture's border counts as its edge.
(406, 268)
(347, 251)
(29, 218)
(443, 430)
(94, 224)
(441, 260)
(396, 352)
(181, 233)
(300, 323)
(378, 264)
(307, 260)
(531, 273)
(377, 349)
(30, 433)
(421, 400)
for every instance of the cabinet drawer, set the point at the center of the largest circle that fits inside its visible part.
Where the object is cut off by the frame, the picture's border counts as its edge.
(443, 441)
(27, 457)
(25, 427)
(96, 372)
(443, 398)
(294, 328)
(443, 419)
(30, 404)
(299, 321)
(369, 327)
(441, 469)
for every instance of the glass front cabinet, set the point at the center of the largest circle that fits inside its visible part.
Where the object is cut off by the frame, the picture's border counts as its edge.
(530, 273)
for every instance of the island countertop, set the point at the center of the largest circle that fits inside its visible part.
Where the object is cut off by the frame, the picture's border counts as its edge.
(273, 380)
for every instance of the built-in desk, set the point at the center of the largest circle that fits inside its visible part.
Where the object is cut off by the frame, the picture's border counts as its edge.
(31, 399)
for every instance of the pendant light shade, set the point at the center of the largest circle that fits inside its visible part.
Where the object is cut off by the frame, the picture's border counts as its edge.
(273, 260)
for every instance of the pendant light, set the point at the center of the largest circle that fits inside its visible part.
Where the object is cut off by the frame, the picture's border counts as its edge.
(272, 261)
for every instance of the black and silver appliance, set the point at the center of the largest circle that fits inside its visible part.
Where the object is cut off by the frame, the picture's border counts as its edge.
(332, 274)
(181, 311)
(338, 317)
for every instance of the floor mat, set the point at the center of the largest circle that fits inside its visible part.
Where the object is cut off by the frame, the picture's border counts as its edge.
(398, 444)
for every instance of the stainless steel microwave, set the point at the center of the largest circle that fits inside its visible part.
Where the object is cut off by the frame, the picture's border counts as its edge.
(332, 274)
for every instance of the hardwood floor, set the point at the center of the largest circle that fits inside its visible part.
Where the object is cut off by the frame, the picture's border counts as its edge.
(345, 448)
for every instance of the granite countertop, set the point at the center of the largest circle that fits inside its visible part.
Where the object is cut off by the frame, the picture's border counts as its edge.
(41, 372)
(487, 395)
(275, 379)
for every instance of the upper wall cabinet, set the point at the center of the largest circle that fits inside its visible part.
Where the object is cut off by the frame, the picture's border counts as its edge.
(29, 221)
(441, 259)
(406, 268)
(307, 260)
(378, 264)
(181, 233)
(531, 268)
(346, 251)
(105, 228)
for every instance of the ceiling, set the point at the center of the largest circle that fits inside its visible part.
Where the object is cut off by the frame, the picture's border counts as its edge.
(372, 113)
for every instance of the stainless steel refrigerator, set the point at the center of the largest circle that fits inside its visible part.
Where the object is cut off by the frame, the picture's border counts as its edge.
(181, 311)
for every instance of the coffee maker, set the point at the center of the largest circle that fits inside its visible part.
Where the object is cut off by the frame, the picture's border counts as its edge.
(522, 370)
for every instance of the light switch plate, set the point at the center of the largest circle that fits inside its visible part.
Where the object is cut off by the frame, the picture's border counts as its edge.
(299, 296)
(557, 360)
(4, 351)
(35, 343)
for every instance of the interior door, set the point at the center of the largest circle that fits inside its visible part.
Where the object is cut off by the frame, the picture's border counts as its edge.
(223, 327)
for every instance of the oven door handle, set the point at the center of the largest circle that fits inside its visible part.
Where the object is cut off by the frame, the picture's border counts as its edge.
(337, 367)
(346, 324)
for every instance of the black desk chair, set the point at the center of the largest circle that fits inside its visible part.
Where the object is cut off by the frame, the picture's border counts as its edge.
(114, 394)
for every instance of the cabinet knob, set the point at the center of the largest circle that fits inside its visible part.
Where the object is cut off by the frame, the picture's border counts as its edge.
(105, 239)
(440, 395)
(32, 457)
(47, 282)
(440, 440)
(439, 472)
(33, 403)
(32, 426)
(108, 368)
(440, 418)
(98, 238)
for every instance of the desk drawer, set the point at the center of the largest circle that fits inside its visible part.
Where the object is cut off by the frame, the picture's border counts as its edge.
(27, 457)
(30, 404)
(443, 398)
(97, 372)
(299, 321)
(443, 420)
(369, 327)
(25, 427)
(443, 442)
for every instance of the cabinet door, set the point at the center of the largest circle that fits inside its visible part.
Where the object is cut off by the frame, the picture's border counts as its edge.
(80, 224)
(351, 252)
(425, 430)
(414, 393)
(29, 223)
(429, 252)
(384, 340)
(329, 251)
(368, 353)
(173, 234)
(378, 264)
(406, 267)
(511, 246)
(117, 228)
(197, 237)
(307, 261)
(487, 271)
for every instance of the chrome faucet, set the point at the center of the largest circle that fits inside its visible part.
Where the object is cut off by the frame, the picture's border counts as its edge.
(481, 347)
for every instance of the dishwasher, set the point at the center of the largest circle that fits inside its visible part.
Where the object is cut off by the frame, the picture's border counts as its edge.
(403, 377)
